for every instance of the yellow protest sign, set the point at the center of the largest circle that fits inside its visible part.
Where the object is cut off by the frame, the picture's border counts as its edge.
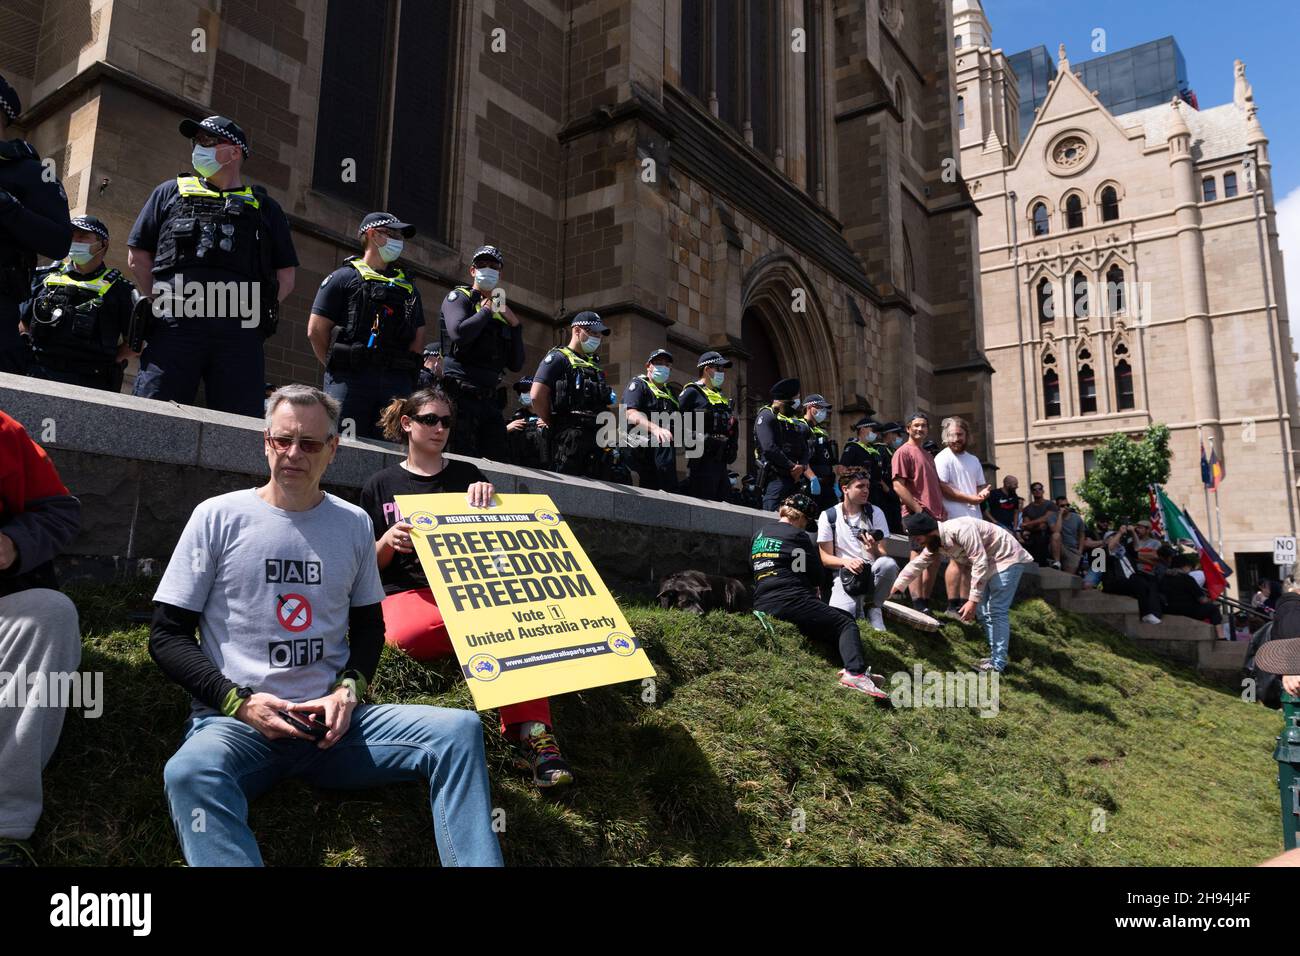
(526, 611)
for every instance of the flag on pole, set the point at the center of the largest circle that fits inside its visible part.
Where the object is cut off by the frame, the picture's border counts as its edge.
(1216, 572)
(1171, 519)
(1216, 470)
(1207, 476)
(1157, 519)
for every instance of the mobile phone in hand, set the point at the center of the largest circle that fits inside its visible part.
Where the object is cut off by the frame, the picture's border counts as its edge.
(311, 726)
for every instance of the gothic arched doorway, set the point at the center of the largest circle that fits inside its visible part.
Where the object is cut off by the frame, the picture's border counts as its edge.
(762, 371)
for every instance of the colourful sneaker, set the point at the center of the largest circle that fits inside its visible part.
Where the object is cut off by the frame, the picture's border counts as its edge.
(537, 752)
(863, 684)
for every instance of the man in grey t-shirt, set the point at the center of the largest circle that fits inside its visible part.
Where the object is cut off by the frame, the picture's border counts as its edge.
(282, 585)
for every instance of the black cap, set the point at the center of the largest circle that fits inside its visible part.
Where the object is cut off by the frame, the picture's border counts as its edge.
(9, 102)
(523, 385)
(803, 504)
(817, 401)
(385, 220)
(91, 224)
(920, 524)
(433, 348)
(888, 427)
(866, 423)
(931, 446)
(786, 388)
(488, 252)
(660, 352)
(590, 321)
(713, 358)
(227, 129)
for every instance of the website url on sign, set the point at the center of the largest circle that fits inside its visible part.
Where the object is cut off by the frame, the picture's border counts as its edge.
(1203, 923)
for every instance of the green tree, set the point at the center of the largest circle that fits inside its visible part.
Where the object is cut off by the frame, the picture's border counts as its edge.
(1117, 485)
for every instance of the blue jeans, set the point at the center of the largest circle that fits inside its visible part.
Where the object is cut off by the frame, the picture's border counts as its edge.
(364, 393)
(995, 612)
(224, 763)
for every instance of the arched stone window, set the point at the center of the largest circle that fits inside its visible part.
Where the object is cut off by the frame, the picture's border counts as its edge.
(1123, 378)
(1041, 227)
(1079, 291)
(1074, 213)
(1046, 300)
(1115, 290)
(1109, 204)
(1051, 388)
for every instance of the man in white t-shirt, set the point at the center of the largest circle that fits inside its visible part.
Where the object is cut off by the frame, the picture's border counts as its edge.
(961, 476)
(851, 537)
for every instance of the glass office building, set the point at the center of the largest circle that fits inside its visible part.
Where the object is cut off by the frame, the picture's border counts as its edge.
(1145, 75)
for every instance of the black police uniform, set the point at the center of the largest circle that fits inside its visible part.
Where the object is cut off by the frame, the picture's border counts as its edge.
(378, 315)
(707, 474)
(780, 443)
(225, 240)
(823, 454)
(791, 595)
(655, 467)
(76, 321)
(33, 221)
(479, 345)
(579, 393)
(529, 446)
(883, 495)
(426, 377)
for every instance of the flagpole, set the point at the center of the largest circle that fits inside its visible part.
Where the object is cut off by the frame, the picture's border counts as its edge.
(1204, 487)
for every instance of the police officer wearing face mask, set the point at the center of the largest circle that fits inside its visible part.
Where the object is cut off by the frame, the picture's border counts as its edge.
(479, 343)
(525, 436)
(218, 256)
(781, 445)
(883, 496)
(823, 451)
(380, 320)
(431, 371)
(708, 475)
(861, 452)
(79, 314)
(569, 392)
(646, 399)
(33, 221)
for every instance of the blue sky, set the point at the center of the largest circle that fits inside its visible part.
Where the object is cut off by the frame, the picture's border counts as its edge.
(1210, 34)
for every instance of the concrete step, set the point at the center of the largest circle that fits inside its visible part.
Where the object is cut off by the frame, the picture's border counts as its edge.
(1049, 579)
(1223, 655)
(1184, 652)
(1173, 629)
(1097, 602)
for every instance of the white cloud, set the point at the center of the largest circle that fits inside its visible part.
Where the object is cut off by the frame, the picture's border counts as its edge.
(1288, 237)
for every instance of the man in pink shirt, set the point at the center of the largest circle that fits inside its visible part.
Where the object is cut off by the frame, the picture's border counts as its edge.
(917, 485)
(996, 561)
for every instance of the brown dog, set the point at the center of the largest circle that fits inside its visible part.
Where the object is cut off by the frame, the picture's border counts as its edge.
(698, 593)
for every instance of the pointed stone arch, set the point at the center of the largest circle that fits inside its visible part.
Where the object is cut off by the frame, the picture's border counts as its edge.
(805, 340)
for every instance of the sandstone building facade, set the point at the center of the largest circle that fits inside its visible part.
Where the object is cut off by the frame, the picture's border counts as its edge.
(763, 179)
(1130, 274)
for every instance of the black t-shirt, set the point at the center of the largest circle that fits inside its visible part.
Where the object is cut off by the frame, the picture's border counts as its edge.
(404, 572)
(773, 556)
(336, 292)
(1002, 506)
(1037, 510)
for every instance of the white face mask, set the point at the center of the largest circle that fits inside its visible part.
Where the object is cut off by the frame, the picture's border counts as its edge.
(717, 378)
(591, 343)
(79, 253)
(391, 249)
(820, 416)
(487, 278)
(204, 161)
(871, 436)
(525, 399)
(659, 373)
(794, 404)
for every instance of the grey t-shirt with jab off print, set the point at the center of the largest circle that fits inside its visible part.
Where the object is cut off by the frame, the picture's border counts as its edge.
(273, 588)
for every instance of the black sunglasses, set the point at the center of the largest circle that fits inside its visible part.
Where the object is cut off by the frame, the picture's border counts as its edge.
(431, 420)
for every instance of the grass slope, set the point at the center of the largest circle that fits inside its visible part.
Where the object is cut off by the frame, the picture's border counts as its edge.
(744, 738)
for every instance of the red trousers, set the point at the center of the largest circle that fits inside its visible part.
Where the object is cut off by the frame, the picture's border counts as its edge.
(413, 623)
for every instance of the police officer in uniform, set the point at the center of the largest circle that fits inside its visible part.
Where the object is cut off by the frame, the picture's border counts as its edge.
(219, 257)
(33, 221)
(479, 345)
(646, 397)
(525, 435)
(79, 314)
(430, 373)
(380, 319)
(569, 392)
(708, 477)
(781, 445)
(823, 451)
(883, 496)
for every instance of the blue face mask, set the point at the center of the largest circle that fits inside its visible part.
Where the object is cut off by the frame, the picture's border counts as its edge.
(821, 415)
(659, 373)
(525, 399)
(717, 378)
(204, 161)
(591, 344)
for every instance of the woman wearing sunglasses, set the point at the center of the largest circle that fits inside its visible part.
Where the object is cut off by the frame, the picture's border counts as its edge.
(412, 621)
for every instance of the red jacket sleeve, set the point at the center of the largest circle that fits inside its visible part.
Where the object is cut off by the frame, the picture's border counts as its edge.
(26, 472)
